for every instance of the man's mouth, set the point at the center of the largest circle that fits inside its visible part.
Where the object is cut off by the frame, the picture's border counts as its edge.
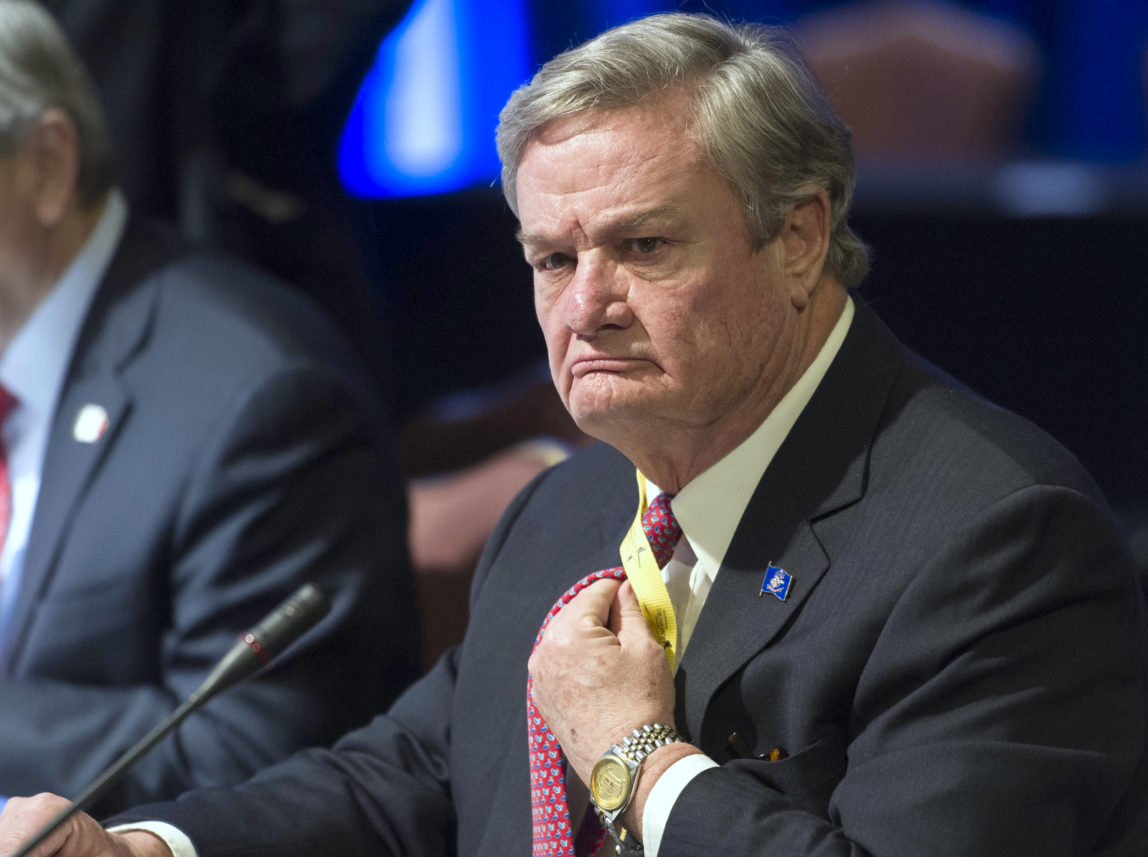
(588, 365)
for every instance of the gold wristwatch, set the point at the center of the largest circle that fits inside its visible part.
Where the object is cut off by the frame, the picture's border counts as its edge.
(615, 776)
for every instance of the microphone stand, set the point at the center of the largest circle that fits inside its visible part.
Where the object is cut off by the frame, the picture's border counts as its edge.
(255, 649)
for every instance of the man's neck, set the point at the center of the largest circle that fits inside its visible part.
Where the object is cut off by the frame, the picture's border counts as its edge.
(44, 263)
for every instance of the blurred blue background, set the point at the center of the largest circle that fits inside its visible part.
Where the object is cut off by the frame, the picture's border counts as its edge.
(424, 120)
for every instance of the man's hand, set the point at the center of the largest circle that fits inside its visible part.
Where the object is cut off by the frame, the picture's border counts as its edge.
(79, 836)
(599, 673)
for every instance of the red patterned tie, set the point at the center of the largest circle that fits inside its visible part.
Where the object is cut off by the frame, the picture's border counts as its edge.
(7, 403)
(551, 815)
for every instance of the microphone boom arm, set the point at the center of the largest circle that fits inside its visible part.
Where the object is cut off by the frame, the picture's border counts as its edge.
(255, 649)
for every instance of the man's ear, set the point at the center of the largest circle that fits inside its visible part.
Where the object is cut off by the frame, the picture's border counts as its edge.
(805, 239)
(54, 150)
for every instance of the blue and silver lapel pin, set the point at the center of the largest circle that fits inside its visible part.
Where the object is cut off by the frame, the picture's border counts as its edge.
(776, 582)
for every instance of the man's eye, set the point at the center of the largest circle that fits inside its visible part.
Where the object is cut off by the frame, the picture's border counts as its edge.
(555, 261)
(647, 245)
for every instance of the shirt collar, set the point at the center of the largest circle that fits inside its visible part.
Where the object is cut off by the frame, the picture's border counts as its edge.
(33, 365)
(710, 507)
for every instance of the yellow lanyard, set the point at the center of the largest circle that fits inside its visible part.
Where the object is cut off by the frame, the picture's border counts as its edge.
(646, 578)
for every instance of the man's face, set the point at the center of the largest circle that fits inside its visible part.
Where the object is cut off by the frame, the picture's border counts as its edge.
(657, 315)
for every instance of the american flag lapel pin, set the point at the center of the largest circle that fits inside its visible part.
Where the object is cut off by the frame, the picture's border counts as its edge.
(91, 423)
(776, 582)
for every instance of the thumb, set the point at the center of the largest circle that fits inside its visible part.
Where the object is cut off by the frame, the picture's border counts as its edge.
(594, 605)
(626, 612)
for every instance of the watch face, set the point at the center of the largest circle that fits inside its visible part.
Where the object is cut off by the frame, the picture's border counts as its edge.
(610, 783)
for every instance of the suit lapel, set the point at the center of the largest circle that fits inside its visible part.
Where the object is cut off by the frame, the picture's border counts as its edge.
(819, 470)
(737, 622)
(69, 466)
(112, 335)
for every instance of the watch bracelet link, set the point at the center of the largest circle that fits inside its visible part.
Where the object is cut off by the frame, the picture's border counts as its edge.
(642, 742)
(636, 747)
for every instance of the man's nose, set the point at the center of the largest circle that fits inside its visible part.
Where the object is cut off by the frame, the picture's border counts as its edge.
(597, 296)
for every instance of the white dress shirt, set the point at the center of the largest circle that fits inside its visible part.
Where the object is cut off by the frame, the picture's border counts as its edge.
(708, 510)
(32, 368)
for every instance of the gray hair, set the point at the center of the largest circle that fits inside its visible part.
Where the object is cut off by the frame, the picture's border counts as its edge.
(757, 112)
(39, 72)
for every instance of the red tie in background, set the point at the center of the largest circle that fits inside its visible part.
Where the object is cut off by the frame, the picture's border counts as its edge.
(551, 815)
(7, 403)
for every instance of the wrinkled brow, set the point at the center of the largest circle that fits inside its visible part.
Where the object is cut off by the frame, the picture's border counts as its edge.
(627, 224)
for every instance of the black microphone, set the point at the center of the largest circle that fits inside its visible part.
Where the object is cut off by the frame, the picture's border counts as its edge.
(255, 649)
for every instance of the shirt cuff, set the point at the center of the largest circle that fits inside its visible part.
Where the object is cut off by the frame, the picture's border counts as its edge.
(662, 796)
(175, 838)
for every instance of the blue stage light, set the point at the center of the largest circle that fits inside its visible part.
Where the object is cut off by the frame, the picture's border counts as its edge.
(425, 117)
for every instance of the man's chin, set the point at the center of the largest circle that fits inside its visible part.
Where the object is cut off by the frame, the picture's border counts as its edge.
(605, 420)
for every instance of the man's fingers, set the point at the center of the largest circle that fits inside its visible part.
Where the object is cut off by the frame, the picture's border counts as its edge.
(592, 605)
(582, 620)
(626, 612)
(23, 818)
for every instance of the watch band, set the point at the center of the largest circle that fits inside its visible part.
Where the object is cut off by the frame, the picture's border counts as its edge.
(616, 774)
(642, 742)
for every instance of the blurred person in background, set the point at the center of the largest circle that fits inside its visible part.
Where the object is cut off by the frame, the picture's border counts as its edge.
(185, 443)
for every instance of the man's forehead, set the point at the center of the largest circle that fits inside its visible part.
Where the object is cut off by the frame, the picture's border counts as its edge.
(607, 174)
(622, 221)
(618, 133)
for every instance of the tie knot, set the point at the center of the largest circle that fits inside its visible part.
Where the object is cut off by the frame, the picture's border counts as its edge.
(661, 528)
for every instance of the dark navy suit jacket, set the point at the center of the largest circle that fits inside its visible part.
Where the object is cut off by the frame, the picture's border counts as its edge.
(244, 455)
(959, 668)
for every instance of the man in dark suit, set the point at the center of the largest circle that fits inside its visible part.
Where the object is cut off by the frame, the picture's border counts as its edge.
(189, 444)
(900, 620)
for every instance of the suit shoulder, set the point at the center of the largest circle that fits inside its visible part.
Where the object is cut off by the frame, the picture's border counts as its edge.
(238, 300)
(938, 427)
(197, 312)
(596, 483)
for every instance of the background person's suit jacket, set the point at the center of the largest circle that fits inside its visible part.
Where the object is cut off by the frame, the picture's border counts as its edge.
(244, 455)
